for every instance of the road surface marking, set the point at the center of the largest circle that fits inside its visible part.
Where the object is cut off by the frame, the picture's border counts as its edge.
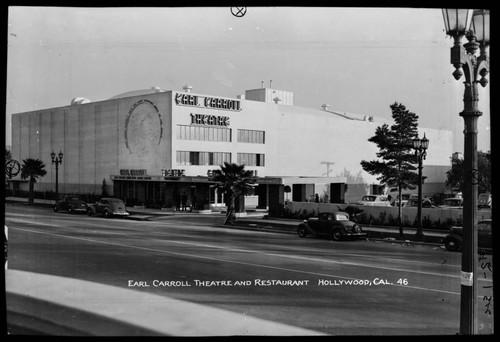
(229, 261)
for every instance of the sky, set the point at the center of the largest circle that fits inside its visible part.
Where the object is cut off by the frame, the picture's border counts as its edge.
(357, 60)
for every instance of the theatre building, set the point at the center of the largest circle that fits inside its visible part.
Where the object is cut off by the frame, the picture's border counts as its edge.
(150, 145)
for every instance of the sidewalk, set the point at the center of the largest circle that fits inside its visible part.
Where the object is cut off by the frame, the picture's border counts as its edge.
(258, 221)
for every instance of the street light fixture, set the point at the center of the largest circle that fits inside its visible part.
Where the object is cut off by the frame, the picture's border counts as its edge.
(420, 146)
(57, 160)
(474, 24)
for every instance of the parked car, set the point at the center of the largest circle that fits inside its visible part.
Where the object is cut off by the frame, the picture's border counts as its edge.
(336, 225)
(453, 241)
(375, 200)
(395, 203)
(484, 201)
(426, 203)
(452, 203)
(108, 207)
(71, 204)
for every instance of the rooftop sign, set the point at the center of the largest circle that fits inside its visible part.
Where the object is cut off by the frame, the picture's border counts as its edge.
(185, 99)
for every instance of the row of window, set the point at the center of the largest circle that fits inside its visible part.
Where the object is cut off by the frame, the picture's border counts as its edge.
(203, 133)
(185, 132)
(251, 159)
(218, 158)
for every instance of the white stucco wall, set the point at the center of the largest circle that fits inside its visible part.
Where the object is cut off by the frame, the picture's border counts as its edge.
(298, 142)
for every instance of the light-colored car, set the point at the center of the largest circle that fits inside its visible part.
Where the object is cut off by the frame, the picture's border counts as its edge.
(452, 203)
(375, 200)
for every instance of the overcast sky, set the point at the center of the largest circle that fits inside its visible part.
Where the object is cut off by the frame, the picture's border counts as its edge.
(357, 60)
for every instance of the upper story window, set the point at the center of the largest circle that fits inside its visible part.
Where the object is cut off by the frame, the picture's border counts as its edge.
(251, 136)
(186, 132)
(251, 159)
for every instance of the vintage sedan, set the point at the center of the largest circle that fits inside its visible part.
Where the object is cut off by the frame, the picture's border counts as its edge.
(375, 200)
(453, 241)
(484, 201)
(71, 204)
(336, 225)
(108, 207)
(426, 203)
(452, 203)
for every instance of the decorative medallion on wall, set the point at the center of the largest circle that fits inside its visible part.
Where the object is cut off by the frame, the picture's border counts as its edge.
(143, 127)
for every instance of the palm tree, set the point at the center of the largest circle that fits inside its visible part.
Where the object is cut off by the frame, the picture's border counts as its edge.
(32, 169)
(235, 181)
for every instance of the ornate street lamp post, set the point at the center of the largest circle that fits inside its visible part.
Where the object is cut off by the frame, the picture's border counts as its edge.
(420, 146)
(56, 160)
(474, 24)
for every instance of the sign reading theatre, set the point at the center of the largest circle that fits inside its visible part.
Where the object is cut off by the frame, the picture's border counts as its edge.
(212, 120)
(208, 102)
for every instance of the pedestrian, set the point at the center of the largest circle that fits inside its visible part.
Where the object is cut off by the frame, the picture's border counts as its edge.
(184, 199)
(177, 200)
(317, 198)
(193, 203)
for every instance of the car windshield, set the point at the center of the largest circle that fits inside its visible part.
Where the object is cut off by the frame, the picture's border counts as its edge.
(73, 199)
(341, 217)
(116, 201)
(369, 198)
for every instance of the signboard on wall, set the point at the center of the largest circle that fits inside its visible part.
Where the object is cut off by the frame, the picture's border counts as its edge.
(184, 99)
(172, 173)
(133, 172)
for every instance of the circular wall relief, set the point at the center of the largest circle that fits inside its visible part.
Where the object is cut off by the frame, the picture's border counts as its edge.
(143, 127)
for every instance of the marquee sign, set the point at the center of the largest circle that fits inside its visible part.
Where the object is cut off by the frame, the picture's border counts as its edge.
(173, 173)
(207, 102)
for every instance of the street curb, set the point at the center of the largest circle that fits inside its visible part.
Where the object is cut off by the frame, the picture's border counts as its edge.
(287, 229)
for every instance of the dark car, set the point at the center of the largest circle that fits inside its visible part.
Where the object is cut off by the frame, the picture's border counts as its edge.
(336, 225)
(453, 241)
(71, 204)
(108, 207)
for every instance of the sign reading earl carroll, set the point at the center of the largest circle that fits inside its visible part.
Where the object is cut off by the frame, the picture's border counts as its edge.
(208, 102)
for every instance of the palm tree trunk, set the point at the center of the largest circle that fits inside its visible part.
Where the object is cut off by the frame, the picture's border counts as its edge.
(230, 216)
(31, 195)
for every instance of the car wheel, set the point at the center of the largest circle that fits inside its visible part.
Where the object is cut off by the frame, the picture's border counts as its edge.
(107, 214)
(56, 209)
(70, 210)
(336, 235)
(302, 231)
(90, 212)
(452, 245)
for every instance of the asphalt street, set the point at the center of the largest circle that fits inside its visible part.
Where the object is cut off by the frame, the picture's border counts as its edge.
(338, 288)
